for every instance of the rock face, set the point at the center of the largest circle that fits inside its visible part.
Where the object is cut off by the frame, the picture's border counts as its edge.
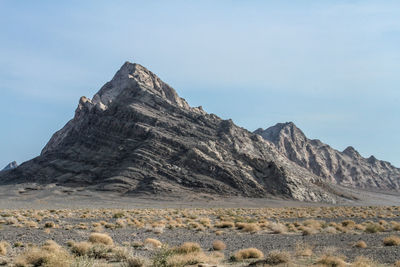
(137, 136)
(346, 168)
(11, 166)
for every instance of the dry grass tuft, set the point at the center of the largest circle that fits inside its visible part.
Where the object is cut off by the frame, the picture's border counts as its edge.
(374, 228)
(188, 247)
(178, 260)
(50, 254)
(134, 262)
(218, 245)
(277, 228)
(392, 240)
(248, 227)
(81, 248)
(225, 224)
(152, 242)
(362, 261)
(360, 244)
(303, 250)
(99, 238)
(3, 248)
(276, 257)
(248, 253)
(331, 261)
(49, 224)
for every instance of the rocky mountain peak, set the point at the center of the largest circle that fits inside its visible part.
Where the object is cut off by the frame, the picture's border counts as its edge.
(11, 166)
(281, 131)
(351, 152)
(136, 78)
(137, 136)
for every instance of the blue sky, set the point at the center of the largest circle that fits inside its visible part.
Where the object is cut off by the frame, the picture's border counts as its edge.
(332, 67)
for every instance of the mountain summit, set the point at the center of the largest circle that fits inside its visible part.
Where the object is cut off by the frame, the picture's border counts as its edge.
(346, 168)
(11, 166)
(137, 136)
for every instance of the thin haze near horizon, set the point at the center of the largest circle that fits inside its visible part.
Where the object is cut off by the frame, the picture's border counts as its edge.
(331, 67)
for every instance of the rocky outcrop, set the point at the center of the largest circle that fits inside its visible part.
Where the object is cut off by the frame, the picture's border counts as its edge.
(11, 166)
(137, 136)
(346, 168)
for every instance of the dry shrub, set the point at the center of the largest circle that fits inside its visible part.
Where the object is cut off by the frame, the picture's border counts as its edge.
(251, 227)
(396, 226)
(137, 244)
(374, 228)
(276, 257)
(134, 262)
(348, 223)
(303, 250)
(362, 261)
(248, 253)
(152, 242)
(49, 224)
(158, 229)
(330, 230)
(314, 224)
(99, 238)
(177, 260)
(277, 228)
(31, 224)
(3, 248)
(360, 244)
(359, 227)
(218, 245)
(205, 222)
(309, 231)
(225, 224)
(392, 240)
(98, 229)
(188, 247)
(49, 255)
(100, 251)
(120, 254)
(397, 263)
(331, 261)
(81, 248)
(219, 232)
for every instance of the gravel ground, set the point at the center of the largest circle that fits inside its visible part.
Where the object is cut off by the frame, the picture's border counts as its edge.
(233, 239)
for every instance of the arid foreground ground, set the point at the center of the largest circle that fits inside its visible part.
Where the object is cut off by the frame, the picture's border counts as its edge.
(297, 236)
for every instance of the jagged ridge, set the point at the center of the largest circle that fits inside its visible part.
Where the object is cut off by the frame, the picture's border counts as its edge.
(346, 168)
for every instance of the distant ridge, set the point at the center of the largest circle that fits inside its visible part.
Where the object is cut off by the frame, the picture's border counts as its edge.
(346, 168)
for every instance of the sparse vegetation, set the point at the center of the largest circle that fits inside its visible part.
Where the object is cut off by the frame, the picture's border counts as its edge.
(248, 253)
(276, 257)
(99, 238)
(360, 244)
(392, 240)
(218, 245)
(140, 226)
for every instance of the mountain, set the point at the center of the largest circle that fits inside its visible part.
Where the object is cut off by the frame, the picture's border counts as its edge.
(347, 168)
(137, 136)
(11, 166)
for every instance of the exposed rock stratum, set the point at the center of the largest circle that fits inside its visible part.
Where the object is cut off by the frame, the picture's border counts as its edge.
(347, 168)
(137, 136)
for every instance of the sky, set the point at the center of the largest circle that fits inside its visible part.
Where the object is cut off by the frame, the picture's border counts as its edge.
(331, 67)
